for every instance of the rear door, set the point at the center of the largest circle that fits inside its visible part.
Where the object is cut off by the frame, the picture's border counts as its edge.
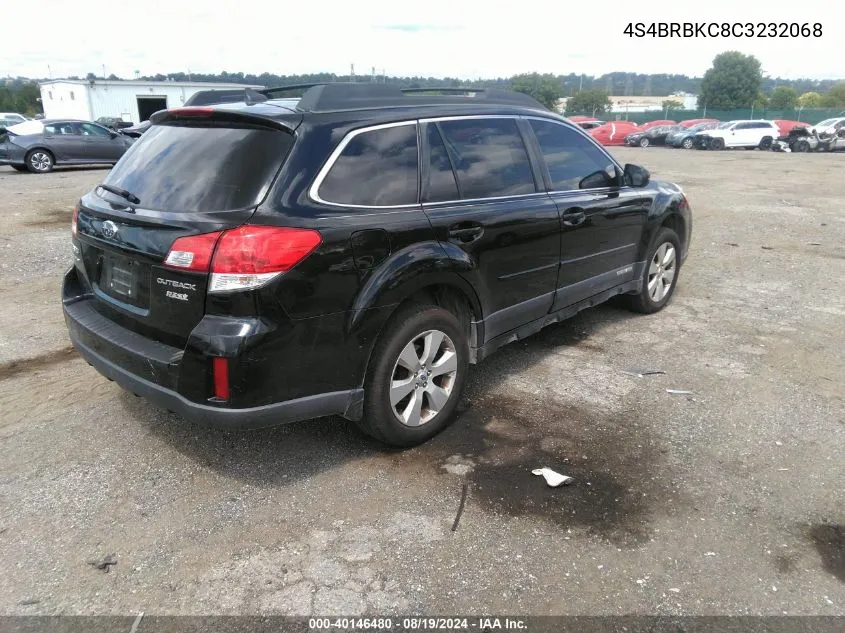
(483, 196)
(602, 220)
(191, 177)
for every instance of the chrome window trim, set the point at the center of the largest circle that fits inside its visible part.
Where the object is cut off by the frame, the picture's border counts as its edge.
(314, 190)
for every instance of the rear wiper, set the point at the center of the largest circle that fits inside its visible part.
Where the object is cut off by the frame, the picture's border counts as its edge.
(127, 195)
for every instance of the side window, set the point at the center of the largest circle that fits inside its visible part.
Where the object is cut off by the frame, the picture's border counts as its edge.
(59, 129)
(489, 157)
(89, 129)
(571, 158)
(376, 168)
(441, 179)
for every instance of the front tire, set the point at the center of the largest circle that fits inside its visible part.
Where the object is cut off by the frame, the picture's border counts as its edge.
(717, 144)
(661, 274)
(39, 161)
(687, 144)
(644, 142)
(801, 146)
(416, 375)
(765, 143)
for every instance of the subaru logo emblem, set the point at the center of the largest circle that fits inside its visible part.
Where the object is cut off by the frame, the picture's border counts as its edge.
(109, 229)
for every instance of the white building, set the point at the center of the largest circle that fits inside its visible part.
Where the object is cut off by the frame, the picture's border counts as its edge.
(133, 101)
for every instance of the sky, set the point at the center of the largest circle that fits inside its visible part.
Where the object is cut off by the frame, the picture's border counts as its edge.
(468, 39)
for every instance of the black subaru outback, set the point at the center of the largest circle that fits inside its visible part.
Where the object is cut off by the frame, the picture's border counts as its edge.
(352, 252)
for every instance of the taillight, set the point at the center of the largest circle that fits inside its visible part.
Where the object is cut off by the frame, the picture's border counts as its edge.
(74, 221)
(243, 258)
(193, 252)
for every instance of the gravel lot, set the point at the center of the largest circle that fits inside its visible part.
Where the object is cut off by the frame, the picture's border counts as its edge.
(728, 501)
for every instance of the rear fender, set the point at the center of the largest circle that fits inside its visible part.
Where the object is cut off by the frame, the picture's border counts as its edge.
(401, 276)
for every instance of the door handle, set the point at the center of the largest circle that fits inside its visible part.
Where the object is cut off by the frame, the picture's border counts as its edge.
(574, 218)
(465, 233)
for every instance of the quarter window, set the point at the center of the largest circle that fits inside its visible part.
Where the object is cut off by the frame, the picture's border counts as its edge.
(376, 168)
(489, 157)
(571, 158)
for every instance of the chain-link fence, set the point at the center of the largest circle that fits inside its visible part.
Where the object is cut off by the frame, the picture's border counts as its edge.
(805, 115)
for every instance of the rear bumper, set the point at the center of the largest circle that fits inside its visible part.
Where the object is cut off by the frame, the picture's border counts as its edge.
(176, 379)
(336, 403)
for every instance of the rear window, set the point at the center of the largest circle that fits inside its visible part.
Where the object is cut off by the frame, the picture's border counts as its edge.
(190, 169)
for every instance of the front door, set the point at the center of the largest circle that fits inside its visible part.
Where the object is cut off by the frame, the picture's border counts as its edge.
(483, 197)
(99, 144)
(601, 221)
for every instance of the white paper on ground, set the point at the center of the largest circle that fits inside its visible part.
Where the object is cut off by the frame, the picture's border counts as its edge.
(552, 478)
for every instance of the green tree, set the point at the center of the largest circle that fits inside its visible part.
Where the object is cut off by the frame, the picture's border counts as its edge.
(546, 89)
(590, 102)
(783, 98)
(672, 104)
(810, 100)
(835, 97)
(761, 101)
(734, 81)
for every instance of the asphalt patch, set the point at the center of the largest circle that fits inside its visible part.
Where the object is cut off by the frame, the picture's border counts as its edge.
(35, 363)
(829, 541)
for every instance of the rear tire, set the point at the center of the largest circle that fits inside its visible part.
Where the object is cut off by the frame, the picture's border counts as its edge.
(660, 277)
(801, 146)
(765, 143)
(39, 161)
(717, 144)
(416, 375)
(687, 144)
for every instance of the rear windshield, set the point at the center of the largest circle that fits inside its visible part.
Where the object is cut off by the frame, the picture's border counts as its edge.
(189, 169)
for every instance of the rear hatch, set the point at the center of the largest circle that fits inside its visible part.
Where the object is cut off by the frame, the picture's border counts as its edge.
(194, 172)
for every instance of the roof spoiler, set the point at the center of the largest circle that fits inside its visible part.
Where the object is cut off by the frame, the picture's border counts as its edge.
(249, 96)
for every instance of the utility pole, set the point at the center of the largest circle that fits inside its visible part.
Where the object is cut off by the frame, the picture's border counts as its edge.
(104, 71)
(581, 83)
(374, 75)
(352, 71)
(49, 71)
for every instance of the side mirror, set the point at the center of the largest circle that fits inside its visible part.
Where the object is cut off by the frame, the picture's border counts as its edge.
(113, 134)
(636, 176)
(596, 180)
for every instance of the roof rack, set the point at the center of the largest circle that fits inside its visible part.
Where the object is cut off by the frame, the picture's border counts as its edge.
(326, 97)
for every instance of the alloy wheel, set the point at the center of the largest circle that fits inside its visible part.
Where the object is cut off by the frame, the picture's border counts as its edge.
(40, 161)
(661, 272)
(423, 378)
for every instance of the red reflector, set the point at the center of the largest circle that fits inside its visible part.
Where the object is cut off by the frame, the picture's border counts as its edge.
(251, 249)
(190, 112)
(192, 252)
(74, 221)
(220, 368)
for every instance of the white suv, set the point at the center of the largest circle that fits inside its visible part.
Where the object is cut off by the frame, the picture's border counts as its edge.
(749, 134)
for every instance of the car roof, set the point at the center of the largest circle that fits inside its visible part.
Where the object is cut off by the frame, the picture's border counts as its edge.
(373, 103)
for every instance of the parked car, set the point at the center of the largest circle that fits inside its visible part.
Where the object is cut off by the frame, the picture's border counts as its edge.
(693, 122)
(802, 139)
(11, 118)
(136, 130)
(114, 123)
(651, 124)
(38, 146)
(785, 126)
(613, 132)
(748, 134)
(304, 294)
(828, 126)
(685, 137)
(653, 136)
